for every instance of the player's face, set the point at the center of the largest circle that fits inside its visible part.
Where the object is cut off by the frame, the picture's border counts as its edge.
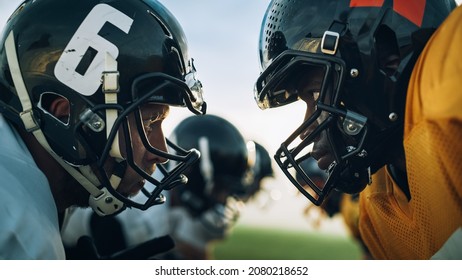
(152, 116)
(310, 93)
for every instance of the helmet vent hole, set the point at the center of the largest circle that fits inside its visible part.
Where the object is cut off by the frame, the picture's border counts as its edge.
(275, 20)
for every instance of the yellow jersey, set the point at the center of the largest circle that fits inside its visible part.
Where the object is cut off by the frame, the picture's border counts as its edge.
(391, 226)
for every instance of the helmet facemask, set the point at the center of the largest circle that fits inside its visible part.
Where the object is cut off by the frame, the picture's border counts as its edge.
(376, 46)
(153, 89)
(330, 134)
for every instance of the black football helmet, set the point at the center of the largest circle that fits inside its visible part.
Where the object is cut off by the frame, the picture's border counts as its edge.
(217, 180)
(364, 53)
(107, 59)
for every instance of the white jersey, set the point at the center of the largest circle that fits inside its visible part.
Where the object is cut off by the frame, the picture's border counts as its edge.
(138, 226)
(29, 225)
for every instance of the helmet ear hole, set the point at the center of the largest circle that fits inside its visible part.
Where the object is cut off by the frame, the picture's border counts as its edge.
(388, 55)
(55, 105)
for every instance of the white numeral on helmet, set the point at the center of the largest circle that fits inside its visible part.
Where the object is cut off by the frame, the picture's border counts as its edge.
(87, 37)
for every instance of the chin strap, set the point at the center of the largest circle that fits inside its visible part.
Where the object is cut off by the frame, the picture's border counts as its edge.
(110, 80)
(101, 200)
(111, 88)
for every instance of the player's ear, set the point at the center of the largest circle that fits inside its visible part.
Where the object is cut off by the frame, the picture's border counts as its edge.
(57, 105)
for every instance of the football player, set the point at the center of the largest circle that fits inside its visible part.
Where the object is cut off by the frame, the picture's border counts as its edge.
(84, 89)
(380, 83)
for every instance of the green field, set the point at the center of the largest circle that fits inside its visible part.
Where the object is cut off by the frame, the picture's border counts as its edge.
(249, 243)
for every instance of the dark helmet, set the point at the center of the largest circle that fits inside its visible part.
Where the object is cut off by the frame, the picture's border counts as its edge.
(107, 59)
(260, 167)
(221, 170)
(365, 52)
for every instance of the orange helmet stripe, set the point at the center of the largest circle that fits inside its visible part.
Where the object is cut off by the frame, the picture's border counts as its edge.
(413, 10)
(366, 3)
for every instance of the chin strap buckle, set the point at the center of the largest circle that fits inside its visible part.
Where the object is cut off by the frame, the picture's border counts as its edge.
(330, 39)
(28, 119)
(329, 42)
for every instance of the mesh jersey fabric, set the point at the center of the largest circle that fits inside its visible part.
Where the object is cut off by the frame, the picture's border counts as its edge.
(392, 227)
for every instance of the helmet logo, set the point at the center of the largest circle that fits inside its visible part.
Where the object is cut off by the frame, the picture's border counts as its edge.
(411, 10)
(86, 39)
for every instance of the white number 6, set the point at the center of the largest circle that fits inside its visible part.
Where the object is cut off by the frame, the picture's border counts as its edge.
(87, 36)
